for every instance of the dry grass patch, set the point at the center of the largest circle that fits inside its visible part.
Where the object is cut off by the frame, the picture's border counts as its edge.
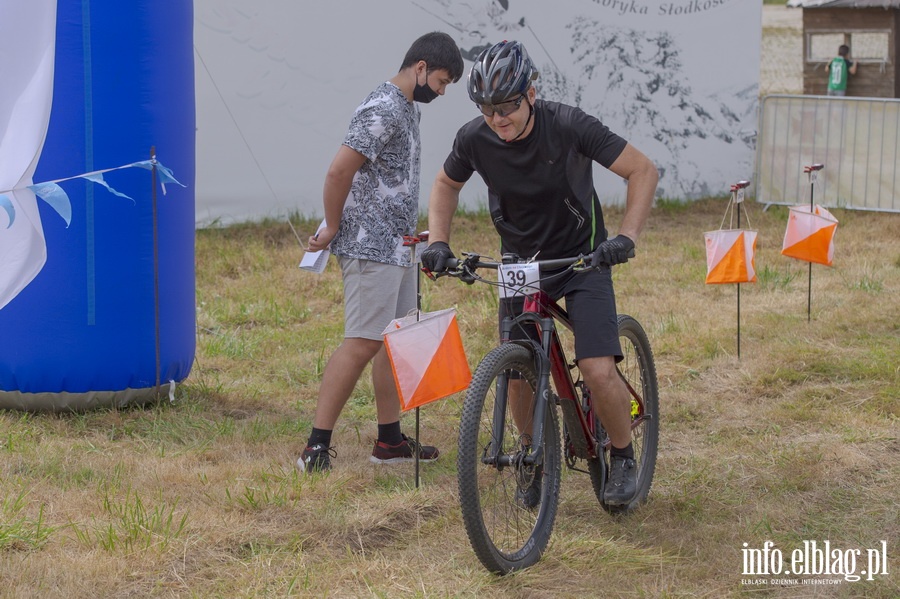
(796, 440)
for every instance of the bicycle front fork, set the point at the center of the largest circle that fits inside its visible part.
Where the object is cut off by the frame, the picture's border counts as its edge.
(532, 452)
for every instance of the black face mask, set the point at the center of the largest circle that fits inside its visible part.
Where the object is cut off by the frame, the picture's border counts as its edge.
(423, 93)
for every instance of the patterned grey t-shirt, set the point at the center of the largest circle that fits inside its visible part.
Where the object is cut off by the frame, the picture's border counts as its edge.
(383, 204)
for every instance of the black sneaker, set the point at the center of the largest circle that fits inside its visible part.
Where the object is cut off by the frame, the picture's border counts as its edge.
(621, 485)
(529, 495)
(383, 453)
(316, 458)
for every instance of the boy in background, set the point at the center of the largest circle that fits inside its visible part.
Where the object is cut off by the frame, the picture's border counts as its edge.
(839, 70)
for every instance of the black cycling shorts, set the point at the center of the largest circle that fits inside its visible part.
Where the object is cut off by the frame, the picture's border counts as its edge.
(591, 304)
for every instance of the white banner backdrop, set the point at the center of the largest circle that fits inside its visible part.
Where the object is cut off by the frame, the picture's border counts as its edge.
(277, 82)
(24, 118)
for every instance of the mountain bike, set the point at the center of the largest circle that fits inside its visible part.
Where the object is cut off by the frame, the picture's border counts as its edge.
(509, 463)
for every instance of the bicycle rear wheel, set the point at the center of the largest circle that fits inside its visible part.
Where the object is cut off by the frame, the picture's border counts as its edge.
(507, 519)
(639, 373)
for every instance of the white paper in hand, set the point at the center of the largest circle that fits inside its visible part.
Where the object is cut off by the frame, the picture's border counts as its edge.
(315, 261)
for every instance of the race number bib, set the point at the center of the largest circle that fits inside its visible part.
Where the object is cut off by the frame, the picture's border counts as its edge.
(519, 279)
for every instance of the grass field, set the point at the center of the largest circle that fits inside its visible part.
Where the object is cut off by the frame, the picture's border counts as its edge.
(795, 441)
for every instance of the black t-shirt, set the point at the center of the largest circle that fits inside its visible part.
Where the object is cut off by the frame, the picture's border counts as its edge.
(540, 189)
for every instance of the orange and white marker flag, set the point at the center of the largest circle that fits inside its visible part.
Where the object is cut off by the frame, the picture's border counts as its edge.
(809, 235)
(730, 256)
(427, 357)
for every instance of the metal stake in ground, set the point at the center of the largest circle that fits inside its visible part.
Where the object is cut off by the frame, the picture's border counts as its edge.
(737, 196)
(153, 179)
(411, 242)
(812, 171)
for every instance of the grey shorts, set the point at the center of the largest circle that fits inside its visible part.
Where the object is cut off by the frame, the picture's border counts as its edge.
(374, 294)
(591, 304)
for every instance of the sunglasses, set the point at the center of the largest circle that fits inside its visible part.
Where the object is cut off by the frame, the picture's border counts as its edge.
(504, 109)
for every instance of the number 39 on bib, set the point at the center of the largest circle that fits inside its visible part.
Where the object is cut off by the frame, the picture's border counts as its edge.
(519, 279)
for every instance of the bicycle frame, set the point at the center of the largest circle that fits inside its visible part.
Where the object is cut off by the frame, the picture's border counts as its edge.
(541, 311)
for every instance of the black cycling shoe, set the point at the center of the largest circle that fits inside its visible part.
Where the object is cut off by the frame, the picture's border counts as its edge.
(621, 486)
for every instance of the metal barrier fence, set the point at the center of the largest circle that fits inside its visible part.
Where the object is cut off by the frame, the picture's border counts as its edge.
(857, 139)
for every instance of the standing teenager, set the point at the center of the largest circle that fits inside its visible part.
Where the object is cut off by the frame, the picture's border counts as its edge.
(371, 200)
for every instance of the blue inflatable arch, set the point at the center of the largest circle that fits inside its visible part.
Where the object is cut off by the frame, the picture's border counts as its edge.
(109, 318)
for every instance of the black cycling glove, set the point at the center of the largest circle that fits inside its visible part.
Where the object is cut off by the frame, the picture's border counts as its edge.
(613, 251)
(435, 256)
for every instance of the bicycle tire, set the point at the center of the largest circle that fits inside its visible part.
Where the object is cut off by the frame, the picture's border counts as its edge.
(639, 370)
(504, 534)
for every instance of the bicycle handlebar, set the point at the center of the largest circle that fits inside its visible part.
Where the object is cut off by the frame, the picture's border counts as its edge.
(474, 261)
(464, 269)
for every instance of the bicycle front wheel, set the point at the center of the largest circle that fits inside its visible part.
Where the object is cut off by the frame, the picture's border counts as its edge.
(508, 506)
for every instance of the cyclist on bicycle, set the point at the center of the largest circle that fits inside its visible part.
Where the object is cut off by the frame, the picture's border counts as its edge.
(536, 158)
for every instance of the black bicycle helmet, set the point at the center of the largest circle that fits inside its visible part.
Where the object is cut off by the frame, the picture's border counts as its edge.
(501, 73)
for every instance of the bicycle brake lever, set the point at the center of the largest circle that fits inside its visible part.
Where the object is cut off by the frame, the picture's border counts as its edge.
(581, 264)
(434, 276)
